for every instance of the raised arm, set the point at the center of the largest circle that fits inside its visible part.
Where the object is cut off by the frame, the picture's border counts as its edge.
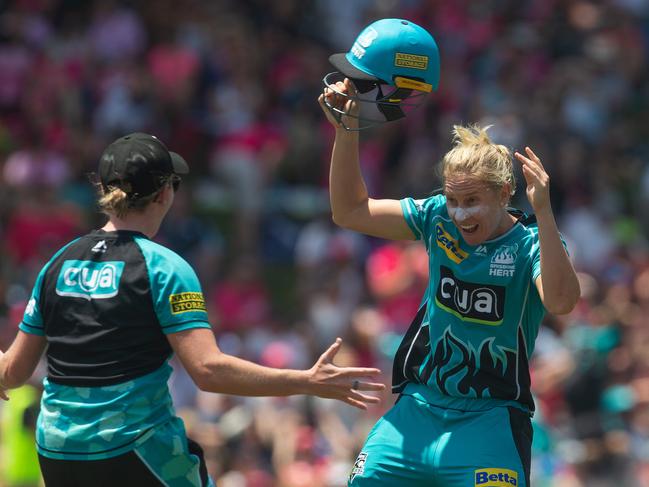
(215, 371)
(351, 205)
(557, 284)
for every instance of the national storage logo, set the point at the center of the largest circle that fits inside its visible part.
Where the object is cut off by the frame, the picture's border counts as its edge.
(451, 246)
(186, 302)
(413, 61)
(495, 477)
(89, 280)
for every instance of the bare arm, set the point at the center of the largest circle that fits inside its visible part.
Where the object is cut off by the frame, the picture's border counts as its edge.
(557, 284)
(215, 371)
(17, 364)
(350, 204)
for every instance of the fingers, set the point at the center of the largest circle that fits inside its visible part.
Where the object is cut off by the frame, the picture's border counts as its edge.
(3, 395)
(354, 402)
(331, 352)
(359, 400)
(365, 397)
(352, 372)
(349, 86)
(533, 167)
(531, 160)
(533, 156)
(369, 386)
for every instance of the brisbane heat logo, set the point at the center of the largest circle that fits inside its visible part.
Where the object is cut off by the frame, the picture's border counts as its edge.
(503, 262)
(451, 246)
(359, 466)
(479, 303)
(364, 41)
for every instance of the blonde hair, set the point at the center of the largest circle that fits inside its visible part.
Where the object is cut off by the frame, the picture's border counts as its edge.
(116, 201)
(476, 155)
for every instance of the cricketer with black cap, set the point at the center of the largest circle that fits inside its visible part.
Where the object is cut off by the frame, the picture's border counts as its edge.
(108, 310)
(138, 164)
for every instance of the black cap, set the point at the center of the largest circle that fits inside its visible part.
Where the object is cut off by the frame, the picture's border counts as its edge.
(138, 163)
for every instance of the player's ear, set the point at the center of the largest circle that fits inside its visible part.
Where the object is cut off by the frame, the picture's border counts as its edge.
(163, 193)
(505, 194)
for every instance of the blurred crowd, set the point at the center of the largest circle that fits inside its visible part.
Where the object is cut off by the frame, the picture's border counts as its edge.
(232, 86)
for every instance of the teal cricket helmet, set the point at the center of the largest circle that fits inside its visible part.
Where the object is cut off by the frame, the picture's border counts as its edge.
(395, 58)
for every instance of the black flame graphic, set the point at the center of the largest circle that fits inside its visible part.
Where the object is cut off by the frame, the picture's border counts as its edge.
(491, 376)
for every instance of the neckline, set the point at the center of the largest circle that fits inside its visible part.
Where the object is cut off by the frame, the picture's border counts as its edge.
(102, 232)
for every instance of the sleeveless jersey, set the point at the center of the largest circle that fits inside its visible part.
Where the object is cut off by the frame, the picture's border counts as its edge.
(105, 303)
(469, 345)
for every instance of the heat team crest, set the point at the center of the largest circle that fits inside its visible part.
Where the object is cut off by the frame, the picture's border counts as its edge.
(359, 466)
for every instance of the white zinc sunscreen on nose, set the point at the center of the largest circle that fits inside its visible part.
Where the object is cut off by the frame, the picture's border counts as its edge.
(462, 214)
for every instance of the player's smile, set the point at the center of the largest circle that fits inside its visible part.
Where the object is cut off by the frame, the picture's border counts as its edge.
(469, 228)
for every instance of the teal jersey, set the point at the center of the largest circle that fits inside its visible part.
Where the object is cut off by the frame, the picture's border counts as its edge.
(468, 347)
(105, 303)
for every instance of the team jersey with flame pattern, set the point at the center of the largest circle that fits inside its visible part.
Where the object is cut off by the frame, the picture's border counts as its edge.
(468, 346)
(105, 303)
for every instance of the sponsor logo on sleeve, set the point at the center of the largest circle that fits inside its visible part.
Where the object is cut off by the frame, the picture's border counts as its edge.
(478, 303)
(31, 307)
(359, 466)
(495, 477)
(186, 302)
(89, 280)
(451, 246)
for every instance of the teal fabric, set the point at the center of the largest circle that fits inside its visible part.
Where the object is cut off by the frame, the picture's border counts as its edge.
(32, 318)
(93, 423)
(482, 306)
(416, 444)
(166, 454)
(88, 423)
(177, 295)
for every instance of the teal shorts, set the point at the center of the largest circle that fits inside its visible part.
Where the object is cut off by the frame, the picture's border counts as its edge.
(173, 459)
(416, 444)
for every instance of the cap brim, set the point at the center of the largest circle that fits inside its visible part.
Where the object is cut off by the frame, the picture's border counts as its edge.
(179, 164)
(340, 62)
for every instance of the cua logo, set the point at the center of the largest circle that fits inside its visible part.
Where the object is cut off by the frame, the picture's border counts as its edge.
(88, 279)
(495, 477)
(479, 303)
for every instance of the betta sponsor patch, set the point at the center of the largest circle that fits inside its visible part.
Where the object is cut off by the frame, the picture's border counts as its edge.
(451, 246)
(495, 477)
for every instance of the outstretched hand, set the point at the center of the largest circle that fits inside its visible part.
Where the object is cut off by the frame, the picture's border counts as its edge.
(538, 181)
(343, 383)
(340, 103)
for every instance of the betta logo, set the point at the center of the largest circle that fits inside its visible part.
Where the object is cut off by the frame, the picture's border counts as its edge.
(495, 477)
(478, 303)
(451, 246)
